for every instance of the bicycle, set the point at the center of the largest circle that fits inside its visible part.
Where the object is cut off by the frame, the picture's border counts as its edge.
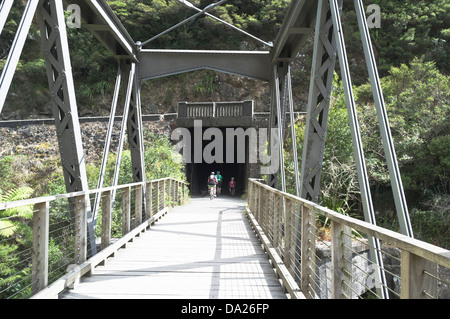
(232, 191)
(211, 193)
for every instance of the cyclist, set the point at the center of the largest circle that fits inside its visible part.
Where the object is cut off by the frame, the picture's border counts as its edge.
(232, 186)
(219, 182)
(212, 181)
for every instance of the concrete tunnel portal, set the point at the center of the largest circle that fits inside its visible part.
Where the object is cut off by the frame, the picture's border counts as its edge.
(217, 143)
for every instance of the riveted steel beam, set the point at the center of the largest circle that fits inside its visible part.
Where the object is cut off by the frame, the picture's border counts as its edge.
(59, 74)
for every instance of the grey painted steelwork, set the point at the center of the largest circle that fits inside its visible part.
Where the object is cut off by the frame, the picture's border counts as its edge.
(321, 80)
(366, 198)
(107, 143)
(16, 47)
(295, 30)
(272, 66)
(98, 17)
(208, 7)
(190, 5)
(159, 63)
(59, 73)
(134, 131)
(5, 7)
(293, 134)
(277, 121)
(388, 144)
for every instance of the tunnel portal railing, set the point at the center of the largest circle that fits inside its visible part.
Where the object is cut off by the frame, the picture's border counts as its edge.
(44, 243)
(238, 113)
(324, 254)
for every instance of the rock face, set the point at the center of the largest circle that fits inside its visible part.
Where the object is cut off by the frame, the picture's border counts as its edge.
(39, 142)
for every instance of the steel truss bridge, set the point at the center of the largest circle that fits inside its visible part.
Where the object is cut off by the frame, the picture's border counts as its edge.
(306, 264)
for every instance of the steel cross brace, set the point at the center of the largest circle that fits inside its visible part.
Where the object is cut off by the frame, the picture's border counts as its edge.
(59, 74)
(324, 59)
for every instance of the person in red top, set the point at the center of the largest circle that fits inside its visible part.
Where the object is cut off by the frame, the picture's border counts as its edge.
(232, 186)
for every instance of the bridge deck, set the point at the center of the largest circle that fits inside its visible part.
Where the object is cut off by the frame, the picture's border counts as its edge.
(204, 249)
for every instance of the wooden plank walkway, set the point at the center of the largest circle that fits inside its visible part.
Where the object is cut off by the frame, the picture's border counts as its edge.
(204, 249)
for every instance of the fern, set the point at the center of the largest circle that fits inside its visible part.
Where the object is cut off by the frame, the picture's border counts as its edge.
(7, 228)
(13, 195)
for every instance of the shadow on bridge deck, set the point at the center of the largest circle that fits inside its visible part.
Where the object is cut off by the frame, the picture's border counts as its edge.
(204, 249)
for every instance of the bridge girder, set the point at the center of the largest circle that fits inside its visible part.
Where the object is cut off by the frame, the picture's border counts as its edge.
(160, 63)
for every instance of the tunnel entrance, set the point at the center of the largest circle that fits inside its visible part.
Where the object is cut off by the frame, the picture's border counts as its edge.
(217, 142)
(230, 165)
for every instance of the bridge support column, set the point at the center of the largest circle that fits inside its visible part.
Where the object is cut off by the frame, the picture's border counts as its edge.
(324, 58)
(59, 73)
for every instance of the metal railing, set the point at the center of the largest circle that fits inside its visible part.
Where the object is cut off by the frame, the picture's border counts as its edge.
(44, 246)
(320, 253)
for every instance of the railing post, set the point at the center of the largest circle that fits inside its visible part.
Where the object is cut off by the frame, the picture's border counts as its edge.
(250, 186)
(106, 219)
(262, 204)
(157, 197)
(415, 283)
(163, 194)
(308, 250)
(340, 257)
(149, 200)
(126, 210)
(40, 247)
(277, 207)
(138, 205)
(81, 203)
(288, 233)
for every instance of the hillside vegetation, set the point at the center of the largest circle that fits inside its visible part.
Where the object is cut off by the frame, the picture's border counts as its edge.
(412, 50)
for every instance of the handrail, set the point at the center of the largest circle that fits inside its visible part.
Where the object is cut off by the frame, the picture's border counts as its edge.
(329, 268)
(137, 212)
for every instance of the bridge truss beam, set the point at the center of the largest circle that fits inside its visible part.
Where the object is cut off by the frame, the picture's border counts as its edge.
(159, 63)
(321, 80)
(59, 74)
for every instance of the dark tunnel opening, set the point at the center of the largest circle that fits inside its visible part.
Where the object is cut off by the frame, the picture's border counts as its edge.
(230, 165)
